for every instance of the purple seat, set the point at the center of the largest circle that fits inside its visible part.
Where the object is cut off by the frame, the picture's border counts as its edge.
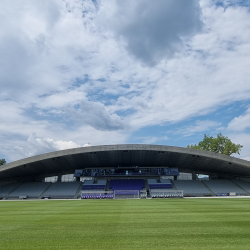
(127, 184)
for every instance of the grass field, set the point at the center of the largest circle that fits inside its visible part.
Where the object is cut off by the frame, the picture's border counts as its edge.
(126, 224)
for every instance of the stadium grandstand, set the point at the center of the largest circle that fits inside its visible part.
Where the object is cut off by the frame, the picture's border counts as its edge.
(124, 171)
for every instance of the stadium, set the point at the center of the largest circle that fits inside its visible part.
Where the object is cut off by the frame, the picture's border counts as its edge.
(131, 196)
(125, 171)
(124, 76)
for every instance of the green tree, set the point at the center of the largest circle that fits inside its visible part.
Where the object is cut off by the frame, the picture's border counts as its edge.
(221, 144)
(2, 162)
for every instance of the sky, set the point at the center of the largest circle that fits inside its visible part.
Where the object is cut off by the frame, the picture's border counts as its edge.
(75, 73)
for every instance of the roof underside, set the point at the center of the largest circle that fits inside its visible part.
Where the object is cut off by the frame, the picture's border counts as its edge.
(111, 156)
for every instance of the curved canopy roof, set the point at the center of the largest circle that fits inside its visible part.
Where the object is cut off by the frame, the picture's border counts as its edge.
(111, 156)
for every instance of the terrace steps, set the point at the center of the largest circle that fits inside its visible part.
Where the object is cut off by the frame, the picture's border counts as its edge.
(107, 185)
(44, 191)
(241, 187)
(174, 187)
(77, 195)
(6, 197)
(210, 190)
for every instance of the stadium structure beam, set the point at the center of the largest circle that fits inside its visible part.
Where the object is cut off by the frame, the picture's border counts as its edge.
(141, 155)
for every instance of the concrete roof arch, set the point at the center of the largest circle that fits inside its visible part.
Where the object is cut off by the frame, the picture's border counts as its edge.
(110, 156)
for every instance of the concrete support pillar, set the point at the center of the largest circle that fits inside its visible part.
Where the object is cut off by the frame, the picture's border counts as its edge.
(59, 178)
(42, 179)
(193, 175)
(213, 177)
(175, 177)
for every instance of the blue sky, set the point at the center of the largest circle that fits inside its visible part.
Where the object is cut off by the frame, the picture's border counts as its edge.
(79, 72)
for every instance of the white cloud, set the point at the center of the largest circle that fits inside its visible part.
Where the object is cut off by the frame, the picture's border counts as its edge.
(241, 122)
(199, 126)
(96, 115)
(41, 44)
(198, 80)
(152, 30)
(61, 99)
(244, 140)
(202, 78)
(16, 127)
(37, 145)
(64, 76)
(152, 139)
(21, 147)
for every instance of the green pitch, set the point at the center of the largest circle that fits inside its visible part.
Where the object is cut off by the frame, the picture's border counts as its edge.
(126, 224)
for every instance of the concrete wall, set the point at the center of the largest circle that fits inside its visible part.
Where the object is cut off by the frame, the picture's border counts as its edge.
(185, 176)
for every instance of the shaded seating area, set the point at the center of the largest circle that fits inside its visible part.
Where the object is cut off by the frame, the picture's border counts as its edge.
(89, 184)
(163, 183)
(224, 187)
(128, 188)
(127, 184)
(192, 187)
(244, 184)
(91, 190)
(160, 188)
(29, 190)
(63, 190)
(5, 190)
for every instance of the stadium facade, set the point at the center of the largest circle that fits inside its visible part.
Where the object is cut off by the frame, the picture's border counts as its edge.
(141, 167)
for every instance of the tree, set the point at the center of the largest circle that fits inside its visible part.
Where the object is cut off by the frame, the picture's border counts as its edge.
(221, 144)
(2, 162)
